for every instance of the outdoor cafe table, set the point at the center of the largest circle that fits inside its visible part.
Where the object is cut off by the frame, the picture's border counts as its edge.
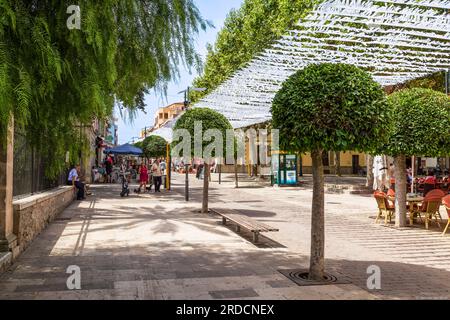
(412, 201)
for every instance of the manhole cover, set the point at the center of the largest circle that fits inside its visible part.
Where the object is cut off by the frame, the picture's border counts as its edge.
(301, 278)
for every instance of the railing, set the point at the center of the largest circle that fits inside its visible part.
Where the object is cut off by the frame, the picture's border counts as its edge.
(29, 170)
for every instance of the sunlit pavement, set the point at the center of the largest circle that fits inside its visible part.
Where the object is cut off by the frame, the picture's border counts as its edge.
(159, 247)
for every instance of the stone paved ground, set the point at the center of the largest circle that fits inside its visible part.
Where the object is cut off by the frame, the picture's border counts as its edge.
(159, 247)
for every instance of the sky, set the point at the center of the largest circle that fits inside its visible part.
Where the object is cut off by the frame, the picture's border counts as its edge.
(212, 10)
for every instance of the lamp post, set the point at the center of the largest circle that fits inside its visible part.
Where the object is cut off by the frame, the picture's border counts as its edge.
(145, 133)
(186, 107)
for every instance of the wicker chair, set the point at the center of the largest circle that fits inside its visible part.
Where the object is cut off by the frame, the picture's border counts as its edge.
(385, 209)
(446, 203)
(430, 207)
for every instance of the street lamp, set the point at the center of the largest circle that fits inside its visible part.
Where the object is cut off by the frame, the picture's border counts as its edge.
(145, 132)
(186, 95)
(186, 106)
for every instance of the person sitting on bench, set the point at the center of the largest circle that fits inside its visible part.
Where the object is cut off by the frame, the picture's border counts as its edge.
(74, 180)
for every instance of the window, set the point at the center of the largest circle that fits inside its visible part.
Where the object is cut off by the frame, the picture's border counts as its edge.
(325, 159)
(166, 116)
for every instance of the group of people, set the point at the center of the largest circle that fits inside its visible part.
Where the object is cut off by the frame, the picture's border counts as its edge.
(149, 175)
(429, 182)
(152, 176)
(104, 172)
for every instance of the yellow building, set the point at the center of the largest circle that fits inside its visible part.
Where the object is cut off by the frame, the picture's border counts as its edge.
(163, 115)
(350, 163)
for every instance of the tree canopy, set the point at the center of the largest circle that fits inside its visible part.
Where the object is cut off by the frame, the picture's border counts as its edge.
(332, 107)
(154, 147)
(209, 119)
(139, 144)
(420, 123)
(247, 32)
(434, 81)
(53, 79)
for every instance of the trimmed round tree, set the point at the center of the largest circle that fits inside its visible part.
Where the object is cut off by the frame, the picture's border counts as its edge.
(420, 126)
(211, 138)
(328, 107)
(154, 147)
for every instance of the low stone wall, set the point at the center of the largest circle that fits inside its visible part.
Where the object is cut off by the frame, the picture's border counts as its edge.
(228, 169)
(5, 261)
(33, 214)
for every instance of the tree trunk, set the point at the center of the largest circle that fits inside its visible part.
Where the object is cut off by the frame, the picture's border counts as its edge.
(317, 262)
(236, 177)
(337, 164)
(370, 176)
(255, 171)
(205, 188)
(400, 191)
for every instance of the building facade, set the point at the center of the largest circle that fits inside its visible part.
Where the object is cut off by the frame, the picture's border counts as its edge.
(163, 115)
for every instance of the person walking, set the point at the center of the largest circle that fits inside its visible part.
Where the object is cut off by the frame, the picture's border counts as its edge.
(163, 166)
(157, 175)
(109, 168)
(74, 180)
(199, 171)
(143, 177)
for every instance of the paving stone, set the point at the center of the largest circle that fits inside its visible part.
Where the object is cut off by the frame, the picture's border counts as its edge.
(147, 247)
(234, 294)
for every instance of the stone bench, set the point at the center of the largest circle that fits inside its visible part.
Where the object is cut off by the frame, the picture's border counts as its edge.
(33, 214)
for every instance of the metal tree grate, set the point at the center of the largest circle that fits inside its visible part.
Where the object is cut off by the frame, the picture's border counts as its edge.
(301, 277)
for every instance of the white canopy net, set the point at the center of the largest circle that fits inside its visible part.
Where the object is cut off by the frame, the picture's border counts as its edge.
(166, 131)
(395, 40)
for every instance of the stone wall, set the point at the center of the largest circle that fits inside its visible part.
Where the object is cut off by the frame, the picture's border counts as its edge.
(5, 261)
(33, 214)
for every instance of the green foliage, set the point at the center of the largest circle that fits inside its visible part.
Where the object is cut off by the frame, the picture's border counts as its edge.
(247, 32)
(209, 119)
(420, 123)
(331, 107)
(154, 147)
(139, 144)
(53, 78)
(435, 81)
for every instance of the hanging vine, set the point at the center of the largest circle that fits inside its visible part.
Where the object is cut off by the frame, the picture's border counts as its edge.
(53, 79)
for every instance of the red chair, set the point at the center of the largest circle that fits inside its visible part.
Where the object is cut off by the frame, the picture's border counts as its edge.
(445, 185)
(436, 193)
(391, 193)
(446, 203)
(385, 209)
(430, 207)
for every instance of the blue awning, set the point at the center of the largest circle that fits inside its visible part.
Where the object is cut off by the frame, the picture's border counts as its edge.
(126, 149)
